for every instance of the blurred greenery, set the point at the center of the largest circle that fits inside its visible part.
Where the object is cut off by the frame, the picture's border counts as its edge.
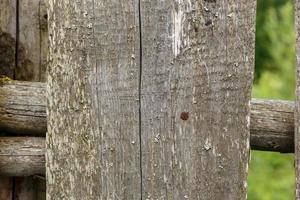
(271, 175)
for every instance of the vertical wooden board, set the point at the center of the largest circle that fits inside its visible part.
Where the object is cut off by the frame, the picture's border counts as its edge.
(297, 103)
(24, 189)
(44, 46)
(30, 65)
(40, 186)
(197, 65)
(6, 188)
(30, 188)
(93, 75)
(28, 55)
(7, 37)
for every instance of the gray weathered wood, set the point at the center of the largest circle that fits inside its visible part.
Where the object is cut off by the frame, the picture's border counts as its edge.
(23, 108)
(297, 103)
(22, 156)
(93, 135)
(7, 37)
(32, 45)
(196, 84)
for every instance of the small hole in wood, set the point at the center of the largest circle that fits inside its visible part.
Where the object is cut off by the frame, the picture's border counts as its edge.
(184, 115)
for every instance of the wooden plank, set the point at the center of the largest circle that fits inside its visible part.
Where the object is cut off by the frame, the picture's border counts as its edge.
(28, 67)
(40, 185)
(7, 37)
(32, 45)
(22, 156)
(24, 189)
(93, 135)
(6, 188)
(30, 188)
(44, 46)
(195, 95)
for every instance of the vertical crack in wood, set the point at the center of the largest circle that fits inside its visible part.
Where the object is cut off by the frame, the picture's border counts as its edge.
(140, 96)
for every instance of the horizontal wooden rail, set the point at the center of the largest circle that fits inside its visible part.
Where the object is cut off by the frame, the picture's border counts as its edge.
(272, 125)
(23, 107)
(23, 112)
(22, 156)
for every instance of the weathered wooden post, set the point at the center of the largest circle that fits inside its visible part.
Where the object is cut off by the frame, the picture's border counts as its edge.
(149, 99)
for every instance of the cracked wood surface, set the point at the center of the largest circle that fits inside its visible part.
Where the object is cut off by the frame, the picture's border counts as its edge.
(197, 67)
(157, 111)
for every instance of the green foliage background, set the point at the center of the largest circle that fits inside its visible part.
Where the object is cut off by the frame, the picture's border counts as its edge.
(271, 175)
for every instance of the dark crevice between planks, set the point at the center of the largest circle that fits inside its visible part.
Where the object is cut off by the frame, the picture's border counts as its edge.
(140, 95)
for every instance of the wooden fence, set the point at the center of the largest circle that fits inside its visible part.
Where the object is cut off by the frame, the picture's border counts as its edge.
(23, 53)
(146, 100)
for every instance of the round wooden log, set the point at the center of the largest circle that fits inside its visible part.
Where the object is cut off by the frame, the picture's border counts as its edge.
(23, 111)
(22, 156)
(272, 125)
(23, 108)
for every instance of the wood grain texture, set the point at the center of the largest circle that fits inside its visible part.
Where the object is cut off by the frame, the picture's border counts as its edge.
(195, 98)
(7, 37)
(44, 44)
(272, 125)
(23, 108)
(93, 139)
(22, 156)
(297, 103)
(32, 44)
